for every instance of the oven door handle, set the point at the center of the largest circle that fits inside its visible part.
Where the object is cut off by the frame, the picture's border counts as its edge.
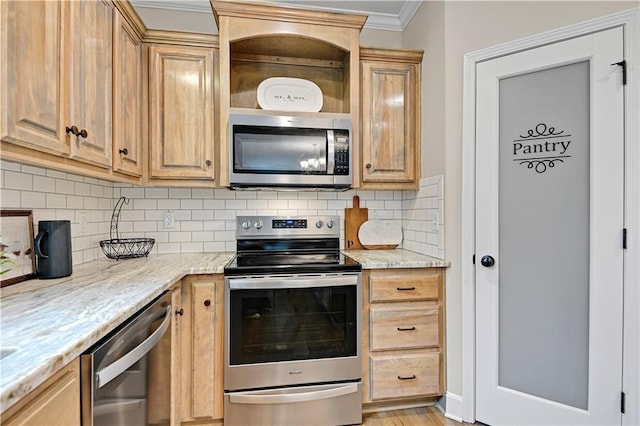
(249, 398)
(286, 282)
(117, 367)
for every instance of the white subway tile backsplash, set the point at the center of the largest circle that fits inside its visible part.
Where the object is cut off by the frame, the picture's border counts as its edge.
(420, 210)
(204, 218)
(19, 181)
(33, 200)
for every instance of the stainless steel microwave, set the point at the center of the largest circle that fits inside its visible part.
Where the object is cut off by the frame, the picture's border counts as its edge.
(289, 152)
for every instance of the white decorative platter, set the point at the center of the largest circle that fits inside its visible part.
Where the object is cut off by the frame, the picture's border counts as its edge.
(380, 234)
(289, 94)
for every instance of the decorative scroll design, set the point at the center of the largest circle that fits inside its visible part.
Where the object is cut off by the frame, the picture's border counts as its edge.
(548, 145)
(541, 130)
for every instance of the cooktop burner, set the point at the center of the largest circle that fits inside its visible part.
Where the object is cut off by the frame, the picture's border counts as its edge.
(276, 245)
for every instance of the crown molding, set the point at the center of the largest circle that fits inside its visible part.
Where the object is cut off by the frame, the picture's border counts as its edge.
(376, 21)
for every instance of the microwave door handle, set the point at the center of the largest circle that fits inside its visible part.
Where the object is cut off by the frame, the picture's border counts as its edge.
(331, 151)
(120, 365)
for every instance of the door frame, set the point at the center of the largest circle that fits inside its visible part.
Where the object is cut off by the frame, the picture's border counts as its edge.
(630, 22)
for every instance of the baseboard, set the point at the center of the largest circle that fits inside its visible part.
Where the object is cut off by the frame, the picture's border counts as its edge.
(452, 406)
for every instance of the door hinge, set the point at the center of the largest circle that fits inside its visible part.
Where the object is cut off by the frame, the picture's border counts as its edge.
(624, 238)
(622, 402)
(474, 259)
(622, 64)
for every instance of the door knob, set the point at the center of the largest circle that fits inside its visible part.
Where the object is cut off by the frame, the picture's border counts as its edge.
(487, 261)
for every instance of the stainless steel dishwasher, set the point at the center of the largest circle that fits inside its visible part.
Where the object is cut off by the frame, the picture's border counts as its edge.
(126, 376)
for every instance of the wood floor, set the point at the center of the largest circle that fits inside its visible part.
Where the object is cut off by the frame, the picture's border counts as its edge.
(425, 416)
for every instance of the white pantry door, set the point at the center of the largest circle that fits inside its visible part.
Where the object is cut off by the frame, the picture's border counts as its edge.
(549, 220)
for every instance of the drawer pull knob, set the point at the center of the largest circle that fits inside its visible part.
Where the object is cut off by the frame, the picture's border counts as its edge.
(124, 151)
(413, 376)
(207, 302)
(405, 288)
(406, 328)
(180, 311)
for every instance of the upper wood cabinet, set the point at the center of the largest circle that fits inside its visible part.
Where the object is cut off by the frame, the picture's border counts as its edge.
(57, 78)
(91, 71)
(128, 103)
(181, 113)
(259, 41)
(391, 115)
(35, 75)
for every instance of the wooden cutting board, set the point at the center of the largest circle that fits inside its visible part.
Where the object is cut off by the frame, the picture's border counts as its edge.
(354, 218)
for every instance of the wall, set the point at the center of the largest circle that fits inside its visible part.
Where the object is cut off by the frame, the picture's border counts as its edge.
(53, 195)
(205, 218)
(470, 26)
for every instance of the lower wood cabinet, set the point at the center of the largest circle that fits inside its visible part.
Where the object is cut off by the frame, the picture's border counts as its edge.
(55, 402)
(403, 335)
(202, 357)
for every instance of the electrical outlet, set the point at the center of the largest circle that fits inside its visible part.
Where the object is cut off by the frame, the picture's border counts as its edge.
(169, 220)
(82, 220)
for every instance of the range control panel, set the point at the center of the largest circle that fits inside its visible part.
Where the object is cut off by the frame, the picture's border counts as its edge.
(287, 227)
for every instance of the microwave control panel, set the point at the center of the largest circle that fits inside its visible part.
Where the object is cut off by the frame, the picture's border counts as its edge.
(341, 152)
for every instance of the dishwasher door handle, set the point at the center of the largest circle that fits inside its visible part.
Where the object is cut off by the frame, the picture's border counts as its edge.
(247, 398)
(120, 365)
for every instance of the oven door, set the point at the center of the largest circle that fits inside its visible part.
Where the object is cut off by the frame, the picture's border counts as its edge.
(291, 330)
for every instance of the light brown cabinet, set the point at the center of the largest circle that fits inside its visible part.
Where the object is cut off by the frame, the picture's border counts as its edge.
(202, 388)
(391, 116)
(262, 41)
(403, 336)
(35, 75)
(55, 402)
(128, 103)
(56, 84)
(91, 72)
(181, 113)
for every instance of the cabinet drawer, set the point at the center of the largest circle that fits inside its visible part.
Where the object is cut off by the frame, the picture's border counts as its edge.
(405, 375)
(404, 285)
(403, 326)
(402, 376)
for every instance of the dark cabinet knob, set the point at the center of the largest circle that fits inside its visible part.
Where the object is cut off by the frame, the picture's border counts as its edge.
(411, 377)
(83, 133)
(208, 163)
(207, 302)
(124, 151)
(180, 311)
(368, 166)
(73, 129)
(487, 261)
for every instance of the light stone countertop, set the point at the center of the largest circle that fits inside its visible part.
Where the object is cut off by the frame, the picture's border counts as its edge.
(51, 322)
(397, 258)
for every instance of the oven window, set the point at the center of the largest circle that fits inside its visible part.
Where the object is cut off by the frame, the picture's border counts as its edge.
(292, 324)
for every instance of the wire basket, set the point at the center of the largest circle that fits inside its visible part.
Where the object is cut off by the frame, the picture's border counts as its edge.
(124, 248)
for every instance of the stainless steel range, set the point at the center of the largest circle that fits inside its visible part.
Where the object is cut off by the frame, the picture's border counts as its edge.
(292, 334)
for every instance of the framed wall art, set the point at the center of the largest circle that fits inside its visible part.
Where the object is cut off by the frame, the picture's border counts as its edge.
(17, 260)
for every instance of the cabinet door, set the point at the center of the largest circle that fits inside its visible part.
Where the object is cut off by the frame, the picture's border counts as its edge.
(35, 75)
(181, 112)
(55, 402)
(91, 71)
(390, 124)
(127, 98)
(202, 389)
